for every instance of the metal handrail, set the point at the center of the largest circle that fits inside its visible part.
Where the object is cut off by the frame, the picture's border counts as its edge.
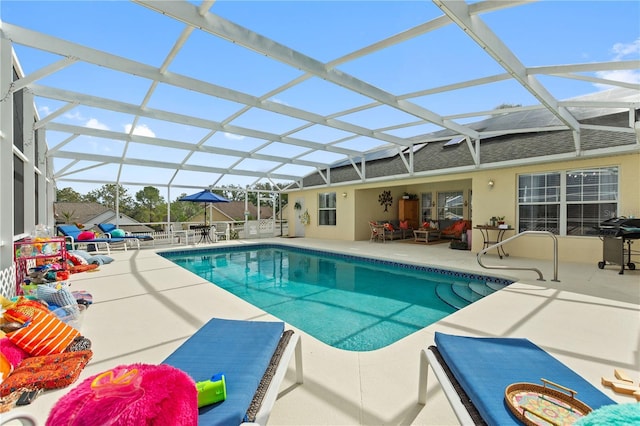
(541, 278)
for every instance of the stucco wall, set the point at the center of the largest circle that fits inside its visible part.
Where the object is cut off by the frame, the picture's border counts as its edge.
(361, 205)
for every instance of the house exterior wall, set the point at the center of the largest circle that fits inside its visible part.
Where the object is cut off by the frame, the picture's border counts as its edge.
(361, 204)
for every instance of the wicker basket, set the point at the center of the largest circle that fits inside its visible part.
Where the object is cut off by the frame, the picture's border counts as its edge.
(536, 404)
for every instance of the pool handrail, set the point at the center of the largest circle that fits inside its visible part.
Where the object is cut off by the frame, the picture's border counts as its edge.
(540, 277)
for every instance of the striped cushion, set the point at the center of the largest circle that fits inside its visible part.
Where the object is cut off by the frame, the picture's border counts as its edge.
(44, 335)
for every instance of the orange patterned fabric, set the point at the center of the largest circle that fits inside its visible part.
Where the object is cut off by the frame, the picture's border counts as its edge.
(46, 372)
(44, 335)
(388, 227)
(23, 310)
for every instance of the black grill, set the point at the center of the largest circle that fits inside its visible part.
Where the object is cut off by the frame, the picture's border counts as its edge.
(615, 233)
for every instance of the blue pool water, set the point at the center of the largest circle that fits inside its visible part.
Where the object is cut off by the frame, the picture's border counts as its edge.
(348, 302)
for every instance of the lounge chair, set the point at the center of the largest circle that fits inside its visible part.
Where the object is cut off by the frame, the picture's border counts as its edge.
(72, 232)
(253, 356)
(108, 228)
(474, 373)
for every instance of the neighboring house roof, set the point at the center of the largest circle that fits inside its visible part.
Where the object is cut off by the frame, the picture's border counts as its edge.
(234, 210)
(91, 214)
(77, 212)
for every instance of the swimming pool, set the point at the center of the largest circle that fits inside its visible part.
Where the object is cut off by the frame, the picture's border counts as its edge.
(349, 302)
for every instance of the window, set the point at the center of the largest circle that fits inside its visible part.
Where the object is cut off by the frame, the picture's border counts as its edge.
(592, 198)
(327, 208)
(426, 201)
(539, 202)
(570, 203)
(18, 195)
(450, 205)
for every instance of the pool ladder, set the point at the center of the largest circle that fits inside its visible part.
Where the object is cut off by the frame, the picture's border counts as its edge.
(501, 243)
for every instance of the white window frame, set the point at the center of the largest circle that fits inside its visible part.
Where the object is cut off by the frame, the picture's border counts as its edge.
(562, 202)
(325, 205)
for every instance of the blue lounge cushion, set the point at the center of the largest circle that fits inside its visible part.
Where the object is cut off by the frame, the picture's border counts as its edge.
(107, 227)
(110, 228)
(241, 350)
(485, 366)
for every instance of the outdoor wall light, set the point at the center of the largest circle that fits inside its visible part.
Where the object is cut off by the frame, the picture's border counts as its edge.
(491, 183)
(344, 195)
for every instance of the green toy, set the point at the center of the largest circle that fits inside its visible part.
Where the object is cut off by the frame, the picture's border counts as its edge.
(211, 391)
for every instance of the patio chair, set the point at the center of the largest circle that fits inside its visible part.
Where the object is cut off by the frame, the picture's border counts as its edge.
(475, 371)
(108, 229)
(253, 356)
(72, 232)
(377, 232)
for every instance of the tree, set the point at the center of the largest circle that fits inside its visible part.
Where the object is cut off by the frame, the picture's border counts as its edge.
(253, 195)
(149, 199)
(68, 195)
(106, 195)
(505, 106)
(182, 211)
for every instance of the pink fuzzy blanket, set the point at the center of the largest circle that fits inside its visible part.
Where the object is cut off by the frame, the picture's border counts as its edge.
(130, 395)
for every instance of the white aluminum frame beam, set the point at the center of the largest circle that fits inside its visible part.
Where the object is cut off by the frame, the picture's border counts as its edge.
(473, 26)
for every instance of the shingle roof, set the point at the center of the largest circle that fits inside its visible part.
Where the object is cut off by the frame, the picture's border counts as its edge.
(78, 212)
(435, 156)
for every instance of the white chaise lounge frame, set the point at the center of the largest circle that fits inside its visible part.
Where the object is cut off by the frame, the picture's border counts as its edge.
(428, 358)
(294, 347)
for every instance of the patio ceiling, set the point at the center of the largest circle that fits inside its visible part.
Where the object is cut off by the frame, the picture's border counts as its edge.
(268, 129)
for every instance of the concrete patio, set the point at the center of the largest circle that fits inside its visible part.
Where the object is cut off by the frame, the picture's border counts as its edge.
(145, 306)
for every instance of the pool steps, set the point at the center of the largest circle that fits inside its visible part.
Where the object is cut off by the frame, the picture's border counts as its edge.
(460, 294)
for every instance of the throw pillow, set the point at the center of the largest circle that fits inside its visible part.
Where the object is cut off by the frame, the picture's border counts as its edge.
(86, 235)
(388, 227)
(56, 294)
(77, 259)
(11, 352)
(81, 253)
(426, 225)
(118, 233)
(433, 225)
(404, 224)
(23, 310)
(100, 259)
(459, 226)
(130, 395)
(45, 334)
(46, 372)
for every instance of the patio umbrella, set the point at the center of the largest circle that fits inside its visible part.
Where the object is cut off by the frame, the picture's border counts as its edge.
(205, 196)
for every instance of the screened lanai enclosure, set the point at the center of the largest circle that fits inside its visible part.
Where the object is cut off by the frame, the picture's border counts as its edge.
(185, 95)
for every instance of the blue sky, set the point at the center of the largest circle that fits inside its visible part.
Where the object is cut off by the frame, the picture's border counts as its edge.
(540, 34)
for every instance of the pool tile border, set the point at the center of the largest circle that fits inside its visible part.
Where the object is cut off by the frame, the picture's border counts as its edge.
(446, 272)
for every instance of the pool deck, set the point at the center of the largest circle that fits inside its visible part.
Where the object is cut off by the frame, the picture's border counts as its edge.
(145, 307)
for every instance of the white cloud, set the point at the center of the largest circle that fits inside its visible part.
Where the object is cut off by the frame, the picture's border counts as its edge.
(233, 137)
(626, 76)
(623, 50)
(45, 110)
(74, 116)
(140, 130)
(95, 124)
